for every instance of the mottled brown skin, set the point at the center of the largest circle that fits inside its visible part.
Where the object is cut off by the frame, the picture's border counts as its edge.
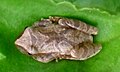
(46, 41)
(79, 25)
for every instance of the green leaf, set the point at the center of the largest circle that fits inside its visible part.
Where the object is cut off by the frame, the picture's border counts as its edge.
(15, 15)
(111, 6)
(2, 56)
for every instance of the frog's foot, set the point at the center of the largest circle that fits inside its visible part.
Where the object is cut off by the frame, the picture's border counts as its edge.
(45, 58)
(54, 19)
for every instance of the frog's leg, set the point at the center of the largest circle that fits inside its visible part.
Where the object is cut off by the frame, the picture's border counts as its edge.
(84, 51)
(79, 25)
(45, 58)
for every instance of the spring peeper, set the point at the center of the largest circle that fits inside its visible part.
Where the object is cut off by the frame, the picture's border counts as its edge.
(59, 38)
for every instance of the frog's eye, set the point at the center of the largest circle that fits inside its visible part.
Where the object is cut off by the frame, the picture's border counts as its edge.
(29, 54)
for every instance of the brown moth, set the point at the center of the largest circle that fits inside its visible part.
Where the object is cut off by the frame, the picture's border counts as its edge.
(59, 38)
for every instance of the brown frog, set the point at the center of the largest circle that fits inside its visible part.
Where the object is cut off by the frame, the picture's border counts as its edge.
(59, 38)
